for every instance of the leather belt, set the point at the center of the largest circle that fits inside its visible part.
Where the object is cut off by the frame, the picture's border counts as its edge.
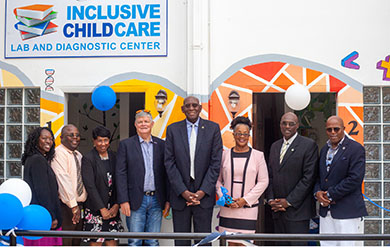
(149, 193)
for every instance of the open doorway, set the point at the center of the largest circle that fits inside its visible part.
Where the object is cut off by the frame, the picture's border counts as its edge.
(119, 119)
(268, 109)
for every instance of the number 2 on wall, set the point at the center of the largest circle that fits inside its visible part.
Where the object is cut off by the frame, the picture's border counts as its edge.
(353, 132)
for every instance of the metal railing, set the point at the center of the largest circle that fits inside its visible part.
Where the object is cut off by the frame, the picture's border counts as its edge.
(199, 236)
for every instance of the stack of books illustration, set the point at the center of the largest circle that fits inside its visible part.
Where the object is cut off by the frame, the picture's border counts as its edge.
(35, 20)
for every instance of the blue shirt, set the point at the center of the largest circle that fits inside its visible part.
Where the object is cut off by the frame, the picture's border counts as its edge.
(189, 128)
(331, 153)
(147, 153)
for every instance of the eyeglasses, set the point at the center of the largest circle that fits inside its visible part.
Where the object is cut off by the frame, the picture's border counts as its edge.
(143, 110)
(237, 134)
(194, 105)
(73, 135)
(290, 124)
(335, 129)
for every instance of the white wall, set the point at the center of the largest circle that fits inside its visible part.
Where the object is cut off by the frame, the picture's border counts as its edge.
(319, 31)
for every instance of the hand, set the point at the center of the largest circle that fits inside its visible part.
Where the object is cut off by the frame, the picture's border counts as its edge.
(125, 209)
(189, 196)
(54, 224)
(114, 210)
(322, 198)
(238, 203)
(276, 205)
(76, 215)
(105, 213)
(166, 209)
(200, 194)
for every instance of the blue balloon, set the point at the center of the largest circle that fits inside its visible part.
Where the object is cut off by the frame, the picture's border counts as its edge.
(35, 217)
(11, 211)
(103, 98)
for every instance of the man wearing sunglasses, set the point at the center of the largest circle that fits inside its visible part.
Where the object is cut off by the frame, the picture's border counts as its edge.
(193, 152)
(292, 169)
(338, 188)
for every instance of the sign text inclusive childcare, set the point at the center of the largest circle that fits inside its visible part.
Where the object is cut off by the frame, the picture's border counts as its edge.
(79, 29)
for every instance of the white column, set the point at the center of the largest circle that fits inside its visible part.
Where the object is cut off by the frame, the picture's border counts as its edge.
(198, 62)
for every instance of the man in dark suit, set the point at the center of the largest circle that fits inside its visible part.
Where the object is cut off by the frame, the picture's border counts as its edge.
(339, 186)
(141, 179)
(292, 174)
(193, 153)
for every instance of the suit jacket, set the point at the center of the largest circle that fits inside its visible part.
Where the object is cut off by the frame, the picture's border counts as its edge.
(130, 172)
(343, 181)
(294, 178)
(208, 154)
(42, 181)
(95, 180)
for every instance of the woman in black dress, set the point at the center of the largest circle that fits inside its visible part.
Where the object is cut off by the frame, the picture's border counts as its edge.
(100, 208)
(38, 153)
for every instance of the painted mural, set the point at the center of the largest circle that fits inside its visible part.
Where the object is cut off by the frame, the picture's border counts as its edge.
(277, 77)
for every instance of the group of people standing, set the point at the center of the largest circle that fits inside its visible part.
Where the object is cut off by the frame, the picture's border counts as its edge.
(148, 176)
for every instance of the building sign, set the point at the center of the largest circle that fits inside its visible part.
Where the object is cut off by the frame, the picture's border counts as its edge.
(88, 28)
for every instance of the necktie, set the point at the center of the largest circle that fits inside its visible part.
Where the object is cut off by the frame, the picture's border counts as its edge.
(283, 151)
(192, 151)
(79, 178)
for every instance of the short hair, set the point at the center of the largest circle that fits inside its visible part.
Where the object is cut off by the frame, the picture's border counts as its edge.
(240, 120)
(100, 131)
(143, 113)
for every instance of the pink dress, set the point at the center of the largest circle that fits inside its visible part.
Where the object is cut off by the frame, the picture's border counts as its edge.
(250, 180)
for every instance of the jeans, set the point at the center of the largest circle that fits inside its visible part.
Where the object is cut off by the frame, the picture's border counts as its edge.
(146, 219)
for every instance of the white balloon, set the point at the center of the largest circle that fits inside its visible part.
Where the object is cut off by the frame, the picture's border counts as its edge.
(18, 188)
(297, 97)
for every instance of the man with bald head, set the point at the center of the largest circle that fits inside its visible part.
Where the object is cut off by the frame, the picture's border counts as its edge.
(292, 170)
(338, 187)
(193, 153)
(67, 167)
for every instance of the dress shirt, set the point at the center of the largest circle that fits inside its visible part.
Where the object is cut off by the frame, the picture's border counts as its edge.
(332, 152)
(64, 166)
(147, 153)
(289, 141)
(189, 128)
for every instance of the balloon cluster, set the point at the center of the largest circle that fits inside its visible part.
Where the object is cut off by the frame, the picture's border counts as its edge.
(225, 199)
(16, 211)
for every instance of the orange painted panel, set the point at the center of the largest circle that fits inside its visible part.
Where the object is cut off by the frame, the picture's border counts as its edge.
(52, 106)
(311, 75)
(228, 139)
(350, 95)
(335, 84)
(265, 70)
(217, 114)
(295, 72)
(283, 82)
(358, 110)
(319, 86)
(242, 80)
(352, 127)
(272, 90)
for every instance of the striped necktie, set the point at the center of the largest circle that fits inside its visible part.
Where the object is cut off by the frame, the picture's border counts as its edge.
(283, 151)
(79, 178)
(192, 151)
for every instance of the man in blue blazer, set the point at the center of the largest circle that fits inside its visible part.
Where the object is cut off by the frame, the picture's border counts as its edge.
(338, 188)
(193, 152)
(141, 179)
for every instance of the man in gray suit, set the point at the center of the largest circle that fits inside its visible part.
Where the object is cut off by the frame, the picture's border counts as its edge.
(292, 172)
(193, 152)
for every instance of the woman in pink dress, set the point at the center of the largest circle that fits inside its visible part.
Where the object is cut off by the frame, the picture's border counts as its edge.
(244, 174)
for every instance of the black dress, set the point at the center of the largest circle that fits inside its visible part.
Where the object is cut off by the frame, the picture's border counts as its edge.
(43, 183)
